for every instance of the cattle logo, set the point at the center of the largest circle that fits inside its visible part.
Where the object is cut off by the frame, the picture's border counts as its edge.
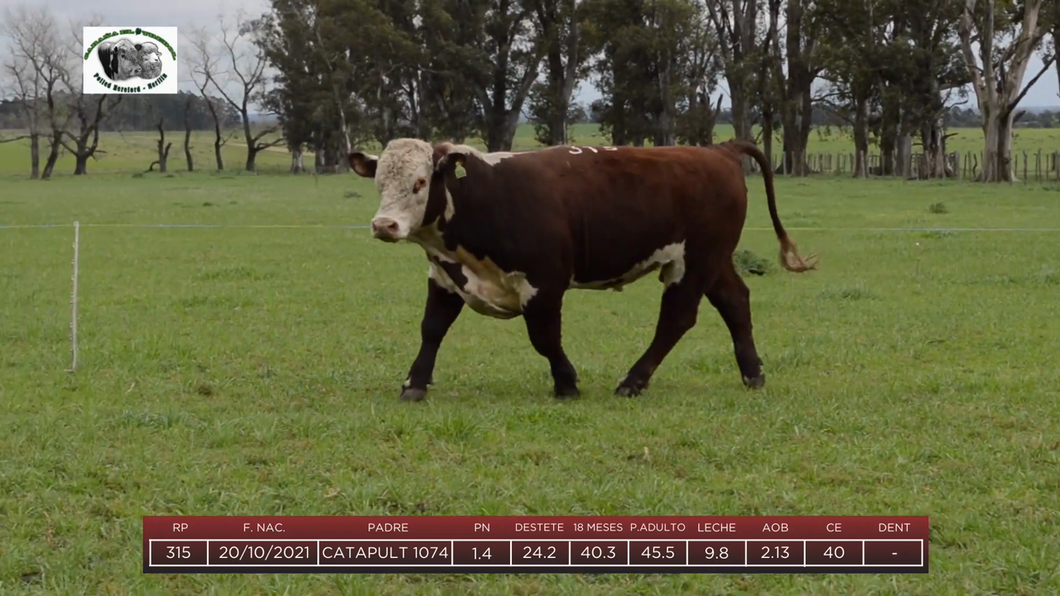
(130, 60)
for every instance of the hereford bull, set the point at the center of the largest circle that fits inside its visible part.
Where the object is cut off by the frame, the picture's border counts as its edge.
(509, 233)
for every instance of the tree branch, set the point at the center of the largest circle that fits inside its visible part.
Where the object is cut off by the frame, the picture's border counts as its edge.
(1046, 64)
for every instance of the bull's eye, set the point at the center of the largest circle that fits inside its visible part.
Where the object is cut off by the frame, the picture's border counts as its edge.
(420, 183)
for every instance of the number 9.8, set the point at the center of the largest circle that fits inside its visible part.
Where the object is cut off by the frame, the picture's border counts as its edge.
(721, 553)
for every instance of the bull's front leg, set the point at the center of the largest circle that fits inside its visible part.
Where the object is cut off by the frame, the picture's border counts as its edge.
(543, 316)
(442, 309)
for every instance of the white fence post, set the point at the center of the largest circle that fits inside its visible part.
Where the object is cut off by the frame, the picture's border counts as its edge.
(73, 300)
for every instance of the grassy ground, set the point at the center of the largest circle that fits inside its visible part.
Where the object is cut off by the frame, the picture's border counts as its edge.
(134, 151)
(255, 371)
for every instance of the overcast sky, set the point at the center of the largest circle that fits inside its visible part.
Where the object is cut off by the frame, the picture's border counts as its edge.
(186, 14)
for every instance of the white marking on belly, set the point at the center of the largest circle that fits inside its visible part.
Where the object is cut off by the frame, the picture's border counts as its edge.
(670, 259)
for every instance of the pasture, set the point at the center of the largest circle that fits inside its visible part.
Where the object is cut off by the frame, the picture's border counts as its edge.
(134, 151)
(254, 369)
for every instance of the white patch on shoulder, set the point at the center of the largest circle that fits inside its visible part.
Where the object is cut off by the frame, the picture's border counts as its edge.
(489, 290)
(670, 259)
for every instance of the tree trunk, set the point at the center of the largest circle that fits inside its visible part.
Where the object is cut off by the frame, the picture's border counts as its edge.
(861, 137)
(902, 154)
(500, 131)
(932, 138)
(217, 142)
(187, 150)
(53, 154)
(319, 157)
(163, 149)
(187, 137)
(81, 165)
(767, 135)
(997, 132)
(297, 160)
(252, 147)
(741, 119)
(34, 156)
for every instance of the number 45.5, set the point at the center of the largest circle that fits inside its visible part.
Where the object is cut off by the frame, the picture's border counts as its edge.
(178, 552)
(655, 552)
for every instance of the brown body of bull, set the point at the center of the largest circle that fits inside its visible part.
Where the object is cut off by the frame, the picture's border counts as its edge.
(508, 234)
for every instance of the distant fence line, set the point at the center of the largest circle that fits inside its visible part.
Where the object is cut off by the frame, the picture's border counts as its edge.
(1027, 166)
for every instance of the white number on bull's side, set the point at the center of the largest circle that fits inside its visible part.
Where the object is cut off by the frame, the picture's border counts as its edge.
(577, 150)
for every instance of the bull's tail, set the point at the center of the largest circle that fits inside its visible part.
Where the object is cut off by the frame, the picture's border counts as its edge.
(789, 254)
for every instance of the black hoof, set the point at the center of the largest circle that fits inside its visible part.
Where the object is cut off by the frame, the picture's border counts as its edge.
(755, 382)
(624, 390)
(413, 394)
(630, 388)
(567, 392)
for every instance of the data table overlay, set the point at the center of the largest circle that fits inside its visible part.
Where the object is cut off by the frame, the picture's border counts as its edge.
(536, 544)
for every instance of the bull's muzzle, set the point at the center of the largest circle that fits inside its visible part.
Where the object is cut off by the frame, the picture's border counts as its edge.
(385, 229)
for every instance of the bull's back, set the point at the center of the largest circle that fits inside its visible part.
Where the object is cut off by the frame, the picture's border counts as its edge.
(629, 208)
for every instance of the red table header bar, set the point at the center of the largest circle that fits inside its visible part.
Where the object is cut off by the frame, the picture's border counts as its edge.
(538, 527)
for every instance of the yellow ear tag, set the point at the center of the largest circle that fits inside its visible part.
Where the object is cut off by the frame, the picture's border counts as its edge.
(460, 171)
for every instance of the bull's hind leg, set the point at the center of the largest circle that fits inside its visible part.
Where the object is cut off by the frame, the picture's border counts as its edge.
(544, 324)
(731, 297)
(443, 307)
(678, 313)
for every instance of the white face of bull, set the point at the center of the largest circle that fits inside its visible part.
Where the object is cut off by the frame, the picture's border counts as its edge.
(403, 178)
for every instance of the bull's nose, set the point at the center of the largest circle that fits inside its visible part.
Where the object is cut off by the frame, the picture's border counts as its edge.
(384, 228)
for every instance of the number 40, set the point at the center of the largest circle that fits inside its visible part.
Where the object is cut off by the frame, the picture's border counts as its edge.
(834, 552)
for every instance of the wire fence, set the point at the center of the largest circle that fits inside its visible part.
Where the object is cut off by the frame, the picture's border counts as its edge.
(1024, 166)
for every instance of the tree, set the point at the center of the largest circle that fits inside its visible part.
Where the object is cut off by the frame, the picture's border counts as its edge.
(450, 35)
(559, 29)
(89, 111)
(39, 67)
(162, 148)
(509, 55)
(696, 114)
(735, 24)
(997, 71)
(851, 65)
(242, 64)
(647, 65)
(794, 74)
(201, 62)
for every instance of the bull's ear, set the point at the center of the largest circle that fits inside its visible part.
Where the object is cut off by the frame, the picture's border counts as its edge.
(451, 161)
(363, 163)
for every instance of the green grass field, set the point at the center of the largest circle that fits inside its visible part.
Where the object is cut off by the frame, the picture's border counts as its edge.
(134, 151)
(255, 371)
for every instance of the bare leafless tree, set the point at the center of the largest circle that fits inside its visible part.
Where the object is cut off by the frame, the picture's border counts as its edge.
(237, 72)
(38, 67)
(88, 110)
(201, 61)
